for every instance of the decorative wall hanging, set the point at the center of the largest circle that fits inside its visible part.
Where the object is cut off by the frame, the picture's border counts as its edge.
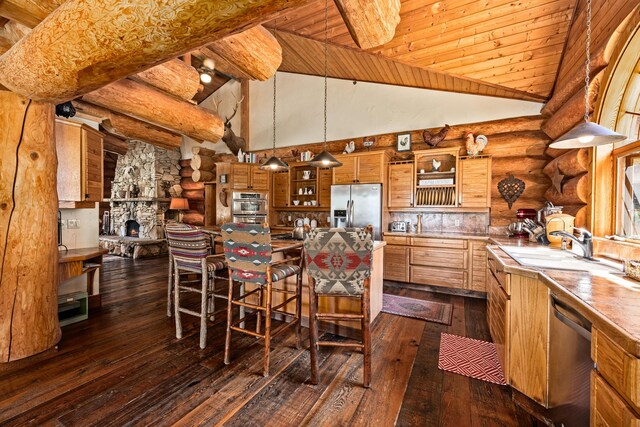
(475, 146)
(404, 142)
(433, 139)
(511, 189)
(557, 180)
(223, 198)
(368, 142)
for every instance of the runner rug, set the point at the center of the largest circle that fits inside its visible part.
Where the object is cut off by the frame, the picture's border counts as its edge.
(430, 311)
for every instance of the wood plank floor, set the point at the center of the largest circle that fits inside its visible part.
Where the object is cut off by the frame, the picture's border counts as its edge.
(124, 367)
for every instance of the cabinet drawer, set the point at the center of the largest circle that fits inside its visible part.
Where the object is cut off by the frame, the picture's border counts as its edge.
(439, 243)
(437, 276)
(396, 240)
(439, 257)
(396, 263)
(619, 368)
(496, 268)
(498, 317)
(608, 408)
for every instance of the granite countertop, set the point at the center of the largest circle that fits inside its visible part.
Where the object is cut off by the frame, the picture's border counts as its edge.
(440, 235)
(611, 302)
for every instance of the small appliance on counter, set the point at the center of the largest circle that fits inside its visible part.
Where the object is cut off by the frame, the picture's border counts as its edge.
(517, 229)
(398, 226)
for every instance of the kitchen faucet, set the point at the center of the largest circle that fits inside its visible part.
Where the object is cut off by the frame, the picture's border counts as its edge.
(585, 241)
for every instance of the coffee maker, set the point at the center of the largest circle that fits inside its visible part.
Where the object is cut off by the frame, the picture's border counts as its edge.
(516, 229)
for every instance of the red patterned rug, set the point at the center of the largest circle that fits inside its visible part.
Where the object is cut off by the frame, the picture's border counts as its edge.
(430, 311)
(471, 358)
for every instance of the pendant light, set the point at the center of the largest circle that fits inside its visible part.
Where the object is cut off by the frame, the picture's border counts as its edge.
(325, 159)
(274, 163)
(587, 134)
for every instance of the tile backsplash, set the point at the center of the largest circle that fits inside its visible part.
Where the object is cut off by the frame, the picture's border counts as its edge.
(446, 222)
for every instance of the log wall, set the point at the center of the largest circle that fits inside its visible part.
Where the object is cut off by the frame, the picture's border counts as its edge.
(517, 145)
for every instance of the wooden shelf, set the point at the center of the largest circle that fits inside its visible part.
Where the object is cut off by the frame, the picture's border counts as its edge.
(436, 186)
(311, 180)
(437, 174)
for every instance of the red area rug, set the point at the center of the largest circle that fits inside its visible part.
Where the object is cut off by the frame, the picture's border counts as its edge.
(471, 358)
(430, 311)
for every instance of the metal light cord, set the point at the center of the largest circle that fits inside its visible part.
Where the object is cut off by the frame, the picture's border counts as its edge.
(587, 64)
(275, 75)
(326, 32)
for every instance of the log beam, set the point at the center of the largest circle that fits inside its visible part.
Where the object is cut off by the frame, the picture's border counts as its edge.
(174, 77)
(114, 144)
(28, 12)
(129, 128)
(139, 101)
(114, 48)
(252, 54)
(371, 23)
(28, 228)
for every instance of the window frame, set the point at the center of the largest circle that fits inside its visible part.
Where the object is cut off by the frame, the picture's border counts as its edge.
(618, 155)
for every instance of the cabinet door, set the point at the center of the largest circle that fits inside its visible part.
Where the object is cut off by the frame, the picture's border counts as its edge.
(240, 176)
(259, 179)
(608, 408)
(498, 309)
(478, 270)
(395, 263)
(93, 166)
(370, 168)
(345, 174)
(324, 187)
(400, 187)
(475, 182)
(280, 190)
(70, 158)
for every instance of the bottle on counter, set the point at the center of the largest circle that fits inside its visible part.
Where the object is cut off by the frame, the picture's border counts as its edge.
(419, 224)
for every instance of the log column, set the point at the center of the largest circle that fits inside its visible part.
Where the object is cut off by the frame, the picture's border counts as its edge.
(28, 228)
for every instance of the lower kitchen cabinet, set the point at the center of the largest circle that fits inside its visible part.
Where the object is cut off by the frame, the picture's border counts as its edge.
(608, 408)
(396, 265)
(499, 314)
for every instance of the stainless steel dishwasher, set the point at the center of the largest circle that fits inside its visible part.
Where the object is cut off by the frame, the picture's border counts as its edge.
(570, 365)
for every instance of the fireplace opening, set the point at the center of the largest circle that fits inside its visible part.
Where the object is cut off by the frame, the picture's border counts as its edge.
(133, 228)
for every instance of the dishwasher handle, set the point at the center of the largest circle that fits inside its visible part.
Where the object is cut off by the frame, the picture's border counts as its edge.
(564, 314)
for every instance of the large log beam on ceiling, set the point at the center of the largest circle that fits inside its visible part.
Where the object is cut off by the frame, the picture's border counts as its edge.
(28, 12)
(371, 23)
(107, 48)
(142, 102)
(129, 128)
(174, 77)
(253, 54)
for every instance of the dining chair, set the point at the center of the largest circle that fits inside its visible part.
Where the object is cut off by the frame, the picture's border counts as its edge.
(248, 253)
(338, 263)
(189, 249)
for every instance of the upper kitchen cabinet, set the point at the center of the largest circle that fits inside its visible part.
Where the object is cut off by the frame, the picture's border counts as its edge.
(280, 186)
(246, 176)
(436, 177)
(400, 187)
(80, 169)
(475, 182)
(361, 168)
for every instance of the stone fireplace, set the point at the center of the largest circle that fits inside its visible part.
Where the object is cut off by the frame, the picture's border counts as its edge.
(133, 228)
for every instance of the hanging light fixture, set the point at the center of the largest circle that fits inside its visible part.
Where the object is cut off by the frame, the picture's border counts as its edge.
(325, 159)
(274, 163)
(587, 134)
(206, 70)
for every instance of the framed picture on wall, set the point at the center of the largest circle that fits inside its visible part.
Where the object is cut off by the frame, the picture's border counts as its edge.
(404, 142)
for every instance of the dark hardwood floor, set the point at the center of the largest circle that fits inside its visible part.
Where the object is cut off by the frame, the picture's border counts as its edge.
(124, 367)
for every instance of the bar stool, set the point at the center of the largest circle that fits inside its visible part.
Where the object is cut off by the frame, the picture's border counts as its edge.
(338, 263)
(189, 250)
(170, 282)
(248, 252)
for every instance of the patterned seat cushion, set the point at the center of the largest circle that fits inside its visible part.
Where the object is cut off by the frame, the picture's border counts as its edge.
(279, 272)
(188, 247)
(339, 259)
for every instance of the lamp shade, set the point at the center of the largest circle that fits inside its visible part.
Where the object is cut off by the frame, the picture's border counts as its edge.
(274, 164)
(325, 160)
(585, 135)
(179, 204)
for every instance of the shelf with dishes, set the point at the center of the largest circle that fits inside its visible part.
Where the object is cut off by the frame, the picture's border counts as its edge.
(303, 187)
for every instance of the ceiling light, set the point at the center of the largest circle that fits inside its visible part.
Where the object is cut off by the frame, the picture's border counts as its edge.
(274, 164)
(205, 78)
(587, 134)
(325, 159)
(209, 63)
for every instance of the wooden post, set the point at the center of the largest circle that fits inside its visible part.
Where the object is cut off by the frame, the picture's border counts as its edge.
(28, 228)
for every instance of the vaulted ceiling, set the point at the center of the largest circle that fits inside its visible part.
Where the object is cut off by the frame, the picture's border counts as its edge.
(503, 48)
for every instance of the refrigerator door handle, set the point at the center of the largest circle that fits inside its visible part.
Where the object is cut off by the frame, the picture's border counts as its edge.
(352, 212)
(348, 219)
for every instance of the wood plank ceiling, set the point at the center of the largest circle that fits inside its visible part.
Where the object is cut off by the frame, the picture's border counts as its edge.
(503, 48)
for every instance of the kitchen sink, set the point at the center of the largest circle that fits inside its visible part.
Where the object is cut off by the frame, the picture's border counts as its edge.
(545, 257)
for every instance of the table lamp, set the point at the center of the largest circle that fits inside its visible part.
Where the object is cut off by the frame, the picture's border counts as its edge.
(179, 204)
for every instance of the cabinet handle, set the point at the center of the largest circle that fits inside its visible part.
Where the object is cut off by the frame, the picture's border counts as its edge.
(86, 196)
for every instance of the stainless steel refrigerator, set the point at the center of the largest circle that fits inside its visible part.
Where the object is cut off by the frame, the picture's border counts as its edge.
(357, 205)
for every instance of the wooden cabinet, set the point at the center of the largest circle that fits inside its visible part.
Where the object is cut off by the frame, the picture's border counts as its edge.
(478, 269)
(248, 177)
(324, 188)
(400, 185)
(529, 337)
(436, 177)
(498, 316)
(280, 186)
(396, 265)
(475, 182)
(80, 168)
(620, 369)
(361, 168)
(608, 408)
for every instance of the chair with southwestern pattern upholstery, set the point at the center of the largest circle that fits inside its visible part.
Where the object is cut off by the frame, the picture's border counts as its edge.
(338, 263)
(248, 252)
(189, 250)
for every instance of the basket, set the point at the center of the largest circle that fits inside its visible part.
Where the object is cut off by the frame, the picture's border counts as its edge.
(632, 269)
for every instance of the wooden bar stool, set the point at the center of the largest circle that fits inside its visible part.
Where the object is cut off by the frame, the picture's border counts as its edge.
(248, 252)
(189, 249)
(338, 262)
(171, 280)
